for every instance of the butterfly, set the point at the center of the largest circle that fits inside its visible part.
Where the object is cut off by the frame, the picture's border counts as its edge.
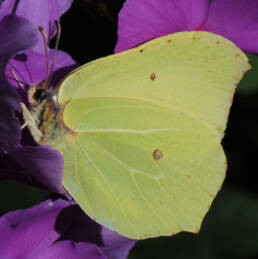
(140, 132)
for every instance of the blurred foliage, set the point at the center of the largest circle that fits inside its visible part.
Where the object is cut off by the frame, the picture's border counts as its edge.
(92, 26)
(249, 83)
(230, 229)
(16, 195)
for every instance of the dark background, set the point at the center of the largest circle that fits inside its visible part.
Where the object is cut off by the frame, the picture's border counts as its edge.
(230, 229)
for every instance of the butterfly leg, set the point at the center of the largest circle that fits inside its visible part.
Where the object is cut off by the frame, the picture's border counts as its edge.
(30, 122)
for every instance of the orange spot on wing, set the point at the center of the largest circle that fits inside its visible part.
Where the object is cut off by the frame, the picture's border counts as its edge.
(153, 76)
(157, 154)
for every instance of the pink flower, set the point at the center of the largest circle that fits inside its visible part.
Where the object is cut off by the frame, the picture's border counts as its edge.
(141, 21)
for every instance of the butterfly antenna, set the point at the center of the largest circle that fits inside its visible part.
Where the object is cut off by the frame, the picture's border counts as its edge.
(21, 85)
(43, 33)
(58, 28)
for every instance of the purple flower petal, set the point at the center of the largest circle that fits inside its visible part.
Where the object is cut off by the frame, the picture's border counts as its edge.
(75, 225)
(31, 234)
(49, 230)
(70, 250)
(140, 21)
(40, 12)
(43, 163)
(236, 20)
(18, 35)
(30, 67)
(25, 233)
(115, 245)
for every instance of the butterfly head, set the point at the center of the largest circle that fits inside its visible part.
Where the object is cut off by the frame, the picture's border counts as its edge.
(41, 93)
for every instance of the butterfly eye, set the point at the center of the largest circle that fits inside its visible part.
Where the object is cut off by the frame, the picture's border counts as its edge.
(40, 95)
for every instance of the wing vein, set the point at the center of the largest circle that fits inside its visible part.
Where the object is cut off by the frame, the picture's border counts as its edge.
(133, 170)
(106, 183)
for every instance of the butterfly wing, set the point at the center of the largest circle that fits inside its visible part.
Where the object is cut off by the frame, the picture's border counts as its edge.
(146, 159)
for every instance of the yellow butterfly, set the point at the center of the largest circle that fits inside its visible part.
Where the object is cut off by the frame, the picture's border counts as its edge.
(140, 132)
